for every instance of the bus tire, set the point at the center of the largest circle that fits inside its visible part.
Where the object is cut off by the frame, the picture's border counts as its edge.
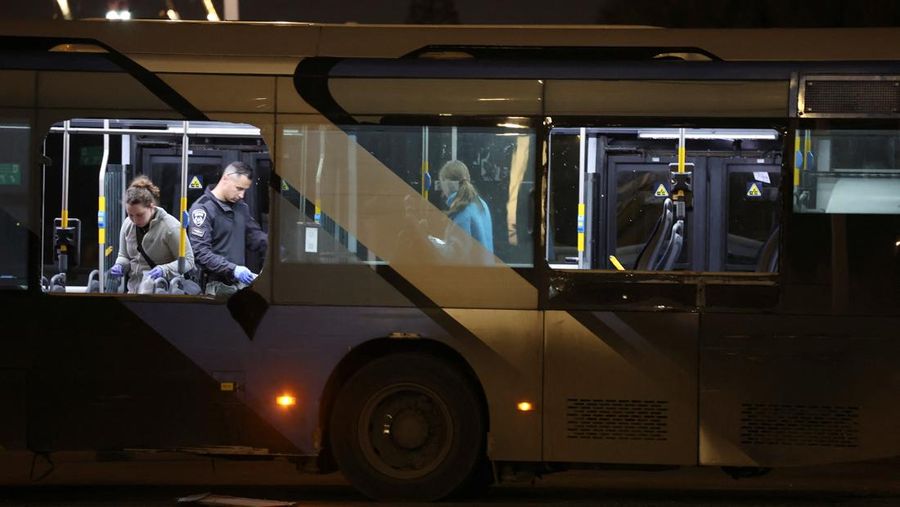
(408, 427)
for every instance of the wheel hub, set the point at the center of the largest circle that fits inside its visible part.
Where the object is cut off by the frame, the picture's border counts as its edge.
(405, 431)
(409, 429)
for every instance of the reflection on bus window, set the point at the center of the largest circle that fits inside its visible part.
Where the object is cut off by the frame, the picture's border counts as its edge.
(620, 199)
(117, 196)
(373, 195)
(14, 149)
(847, 171)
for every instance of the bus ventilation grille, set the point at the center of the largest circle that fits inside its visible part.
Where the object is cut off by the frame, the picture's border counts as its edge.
(799, 425)
(617, 419)
(858, 97)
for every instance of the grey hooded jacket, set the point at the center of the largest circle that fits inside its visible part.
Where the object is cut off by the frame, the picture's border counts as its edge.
(161, 245)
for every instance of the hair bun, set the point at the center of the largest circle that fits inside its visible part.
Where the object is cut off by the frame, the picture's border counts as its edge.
(145, 183)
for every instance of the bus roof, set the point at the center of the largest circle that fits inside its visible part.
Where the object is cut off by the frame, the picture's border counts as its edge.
(276, 40)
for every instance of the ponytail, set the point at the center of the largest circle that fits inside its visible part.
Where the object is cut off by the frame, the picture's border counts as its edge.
(455, 170)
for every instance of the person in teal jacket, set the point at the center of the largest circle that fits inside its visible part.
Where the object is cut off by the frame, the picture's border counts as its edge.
(466, 208)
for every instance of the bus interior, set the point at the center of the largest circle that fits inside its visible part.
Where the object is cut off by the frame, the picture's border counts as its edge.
(87, 175)
(613, 197)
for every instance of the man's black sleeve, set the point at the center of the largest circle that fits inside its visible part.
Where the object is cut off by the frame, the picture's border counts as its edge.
(257, 240)
(200, 233)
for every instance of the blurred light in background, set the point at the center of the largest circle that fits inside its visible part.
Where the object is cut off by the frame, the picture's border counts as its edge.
(119, 15)
(211, 14)
(118, 10)
(64, 9)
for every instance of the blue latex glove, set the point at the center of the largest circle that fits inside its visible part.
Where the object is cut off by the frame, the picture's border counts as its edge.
(243, 275)
(116, 270)
(155, 273)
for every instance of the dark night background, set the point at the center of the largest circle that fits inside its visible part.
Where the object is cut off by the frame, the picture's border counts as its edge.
(667, 13)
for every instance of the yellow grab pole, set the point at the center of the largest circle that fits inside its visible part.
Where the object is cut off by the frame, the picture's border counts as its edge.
(797, 160)
(185, 220)
(682, 157)
(101, 209)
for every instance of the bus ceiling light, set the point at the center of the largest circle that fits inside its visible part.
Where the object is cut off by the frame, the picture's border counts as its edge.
(286, 400)
(123, 15)
(512, 125)
(525, 406)
(724, 134)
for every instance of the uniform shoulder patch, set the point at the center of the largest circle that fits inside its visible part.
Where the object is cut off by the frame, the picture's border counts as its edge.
(198, 217)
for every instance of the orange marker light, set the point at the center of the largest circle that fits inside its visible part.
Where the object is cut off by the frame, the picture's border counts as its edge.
(286, 400)
(525, 406)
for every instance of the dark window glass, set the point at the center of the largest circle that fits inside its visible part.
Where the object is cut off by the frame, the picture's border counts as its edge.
(15, 137)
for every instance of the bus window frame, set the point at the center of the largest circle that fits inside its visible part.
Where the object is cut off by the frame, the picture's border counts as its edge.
(833, 305)
(560, 280)
(32, 206)
(41, 54)
(534, 126)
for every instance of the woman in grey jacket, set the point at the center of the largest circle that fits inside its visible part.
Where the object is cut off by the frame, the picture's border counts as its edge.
(148, 241)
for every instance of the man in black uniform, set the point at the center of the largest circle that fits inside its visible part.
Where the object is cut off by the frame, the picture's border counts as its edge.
(222, 230)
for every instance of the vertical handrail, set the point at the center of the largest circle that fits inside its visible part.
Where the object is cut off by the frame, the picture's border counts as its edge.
(582, 174)
(101, 210)
(423, 175)
(678, 197)
(320, 169)
(185, 220)
(64, 209)
(454, 136)
(352, 192)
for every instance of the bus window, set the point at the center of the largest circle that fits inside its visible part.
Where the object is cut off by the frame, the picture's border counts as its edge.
(91, 233)
(754, 210)
(373, 195)
(847, 204)
(15, 137)
(618, 202)
(847, 171)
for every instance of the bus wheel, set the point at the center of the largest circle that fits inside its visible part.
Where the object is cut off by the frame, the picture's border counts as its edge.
(407, 427)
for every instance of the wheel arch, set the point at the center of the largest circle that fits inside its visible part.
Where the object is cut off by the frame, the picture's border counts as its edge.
(377, 348)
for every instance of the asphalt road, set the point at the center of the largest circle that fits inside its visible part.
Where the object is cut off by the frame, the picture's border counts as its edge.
(79, 481)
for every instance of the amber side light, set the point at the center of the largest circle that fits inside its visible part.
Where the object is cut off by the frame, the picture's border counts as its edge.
(286, 400)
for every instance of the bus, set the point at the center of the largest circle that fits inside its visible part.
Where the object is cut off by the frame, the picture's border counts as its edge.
(693, 258)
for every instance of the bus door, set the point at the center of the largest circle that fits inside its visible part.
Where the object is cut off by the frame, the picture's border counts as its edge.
(638, 188)
(628, 271)
(204, 169)
(161, 160)
(620, 326)
(744, 234)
